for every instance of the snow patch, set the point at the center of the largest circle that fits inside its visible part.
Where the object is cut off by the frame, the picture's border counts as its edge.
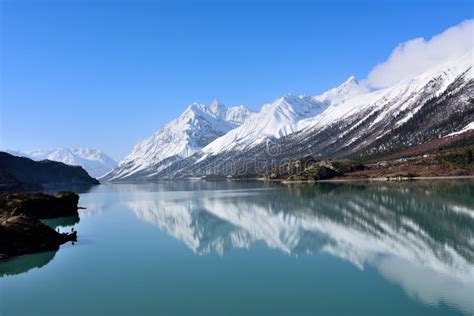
(466, 128)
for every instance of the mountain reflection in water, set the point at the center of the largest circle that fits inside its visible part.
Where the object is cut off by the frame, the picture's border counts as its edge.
(419, 235)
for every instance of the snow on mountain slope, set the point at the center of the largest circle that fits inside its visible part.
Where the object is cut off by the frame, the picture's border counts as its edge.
(431, 105)
(401, 101)
(282, 117)
(466, 128)
(95, 162)
(350, 88)
(180, 138)
(237, 114)
(343, 121)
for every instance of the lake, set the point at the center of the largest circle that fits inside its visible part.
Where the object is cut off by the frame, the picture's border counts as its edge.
(251, 248)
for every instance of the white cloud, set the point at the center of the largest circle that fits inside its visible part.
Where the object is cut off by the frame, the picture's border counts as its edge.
(415, 56)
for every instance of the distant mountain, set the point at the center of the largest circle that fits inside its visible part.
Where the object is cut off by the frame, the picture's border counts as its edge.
(21, 173)
(95, 162)
(190, 132)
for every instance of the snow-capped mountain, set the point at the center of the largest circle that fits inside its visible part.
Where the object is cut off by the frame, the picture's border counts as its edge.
(282, 117)
(95, 162)
(402, 100)
(350, 88)
(344, 121)
(190, 132)
(215, 129)
(428, 106)
(413, 111)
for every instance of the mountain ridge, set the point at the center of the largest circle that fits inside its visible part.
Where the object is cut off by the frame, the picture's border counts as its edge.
(346, 121)
(94, 161)
(196, 127)
(22, 173)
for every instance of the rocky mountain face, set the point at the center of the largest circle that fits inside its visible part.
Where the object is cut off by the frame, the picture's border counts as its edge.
(95, 162)
(20, 173)
(198, 126)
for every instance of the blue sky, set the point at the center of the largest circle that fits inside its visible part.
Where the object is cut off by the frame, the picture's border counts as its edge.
(105, 74)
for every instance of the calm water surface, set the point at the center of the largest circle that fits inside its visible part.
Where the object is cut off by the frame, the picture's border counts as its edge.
(218, 248)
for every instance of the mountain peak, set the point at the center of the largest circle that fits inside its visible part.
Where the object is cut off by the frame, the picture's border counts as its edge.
(216, 109)
(344, 91)
(351, 80)
(216, 105)
(193, 107)
(351, 83)
(288, 98)
(195, 128)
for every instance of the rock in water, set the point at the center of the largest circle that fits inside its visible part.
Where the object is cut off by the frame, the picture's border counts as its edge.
(21, 235)
(21, 231)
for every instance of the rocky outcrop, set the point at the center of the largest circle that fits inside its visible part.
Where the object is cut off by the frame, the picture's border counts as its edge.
(292, 167)
(20, 173)
(310, 169)
(22, 232)
(20, 235)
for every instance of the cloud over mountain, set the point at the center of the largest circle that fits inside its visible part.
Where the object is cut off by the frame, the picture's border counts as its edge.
(415, 56)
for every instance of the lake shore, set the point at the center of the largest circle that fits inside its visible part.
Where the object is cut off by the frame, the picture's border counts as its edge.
(351, 179)
(396, 179)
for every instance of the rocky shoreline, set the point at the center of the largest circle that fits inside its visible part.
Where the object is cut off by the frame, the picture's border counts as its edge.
(22, 232)
(454, 162)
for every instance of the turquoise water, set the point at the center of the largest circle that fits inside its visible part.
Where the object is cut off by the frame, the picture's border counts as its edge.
(224, 248)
